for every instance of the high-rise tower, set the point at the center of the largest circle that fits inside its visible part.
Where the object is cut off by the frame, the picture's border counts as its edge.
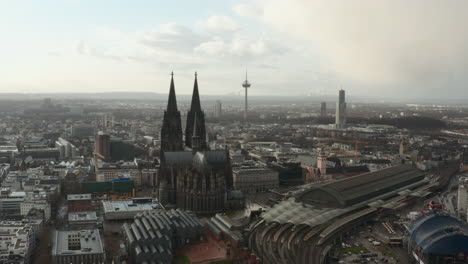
(340, 118)
(246, 86)
(102, 148)
(218, 110)
(195, 109)
(171, 131)
(323, 109)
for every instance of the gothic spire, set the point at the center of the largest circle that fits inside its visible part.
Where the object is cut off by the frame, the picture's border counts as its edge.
(195, 130)
(171, 130)
(195, 105)
(172, 102)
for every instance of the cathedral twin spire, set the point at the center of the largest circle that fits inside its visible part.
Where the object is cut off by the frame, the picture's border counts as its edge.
(195, 105)
(172, 101)
(171, 132)
(193, 127)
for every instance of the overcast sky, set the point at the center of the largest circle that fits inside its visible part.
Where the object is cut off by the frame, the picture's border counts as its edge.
(392, 48)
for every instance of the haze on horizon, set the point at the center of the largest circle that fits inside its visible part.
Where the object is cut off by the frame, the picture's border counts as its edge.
(387, 49)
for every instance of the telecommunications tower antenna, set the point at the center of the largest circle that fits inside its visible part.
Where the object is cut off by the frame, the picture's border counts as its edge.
(246, 86)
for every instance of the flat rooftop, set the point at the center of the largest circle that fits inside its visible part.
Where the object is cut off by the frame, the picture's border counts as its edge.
(16, 194)
(128, 206)
(80, 242)
(79, 197)
(82, 216)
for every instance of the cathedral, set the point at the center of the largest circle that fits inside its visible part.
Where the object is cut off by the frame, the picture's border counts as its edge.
(192, 176)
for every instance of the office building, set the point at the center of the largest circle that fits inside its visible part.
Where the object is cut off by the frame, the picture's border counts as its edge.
(115, 189)
(8, 152)
(127, 209)
(10, 205)
(43, 154)
(66, 149)
(41, 205)
(79, 202)
(17, 241)
(35, 142)
(253, 177)
(340, 117)
(83, 220)
(103, 146)
(121, 149)
(149, 173)
(106, 171)
(82, 130)
(323, 109)
(218, 111)
(80, 247)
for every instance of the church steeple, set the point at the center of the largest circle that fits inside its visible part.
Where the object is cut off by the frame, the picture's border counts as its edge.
(195, 109)
(172, 101)
(195, 106)
(171, 130)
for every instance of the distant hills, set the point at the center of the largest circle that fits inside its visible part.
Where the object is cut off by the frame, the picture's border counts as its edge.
(350, 98)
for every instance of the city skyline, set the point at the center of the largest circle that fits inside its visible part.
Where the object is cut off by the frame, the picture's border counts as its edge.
(236, 131)
(116, 177)
(371, 49)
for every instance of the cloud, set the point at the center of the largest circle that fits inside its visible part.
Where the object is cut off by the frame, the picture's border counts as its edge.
(174, 43)
(81, 48)
(54, 53)
(169, 43)
(220, 57)
(174, 29)
(379, 42)
(218, 24)
(215, 47)
(171, 36)
(241, 47)
(250, 11)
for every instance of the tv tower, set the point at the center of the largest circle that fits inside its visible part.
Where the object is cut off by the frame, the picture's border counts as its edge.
(246, 86)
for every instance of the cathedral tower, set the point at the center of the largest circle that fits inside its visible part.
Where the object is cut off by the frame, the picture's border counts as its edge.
(199, 126)
(171, 131)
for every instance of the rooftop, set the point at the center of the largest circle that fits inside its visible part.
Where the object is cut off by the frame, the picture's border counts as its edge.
(439, 234)
(17, 194)
(319, 204)
(80, 242)
(128, 205)
(82, 216)
(360, 188)
(79, 197)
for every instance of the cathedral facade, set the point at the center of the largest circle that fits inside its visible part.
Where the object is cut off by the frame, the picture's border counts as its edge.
(192, 177)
